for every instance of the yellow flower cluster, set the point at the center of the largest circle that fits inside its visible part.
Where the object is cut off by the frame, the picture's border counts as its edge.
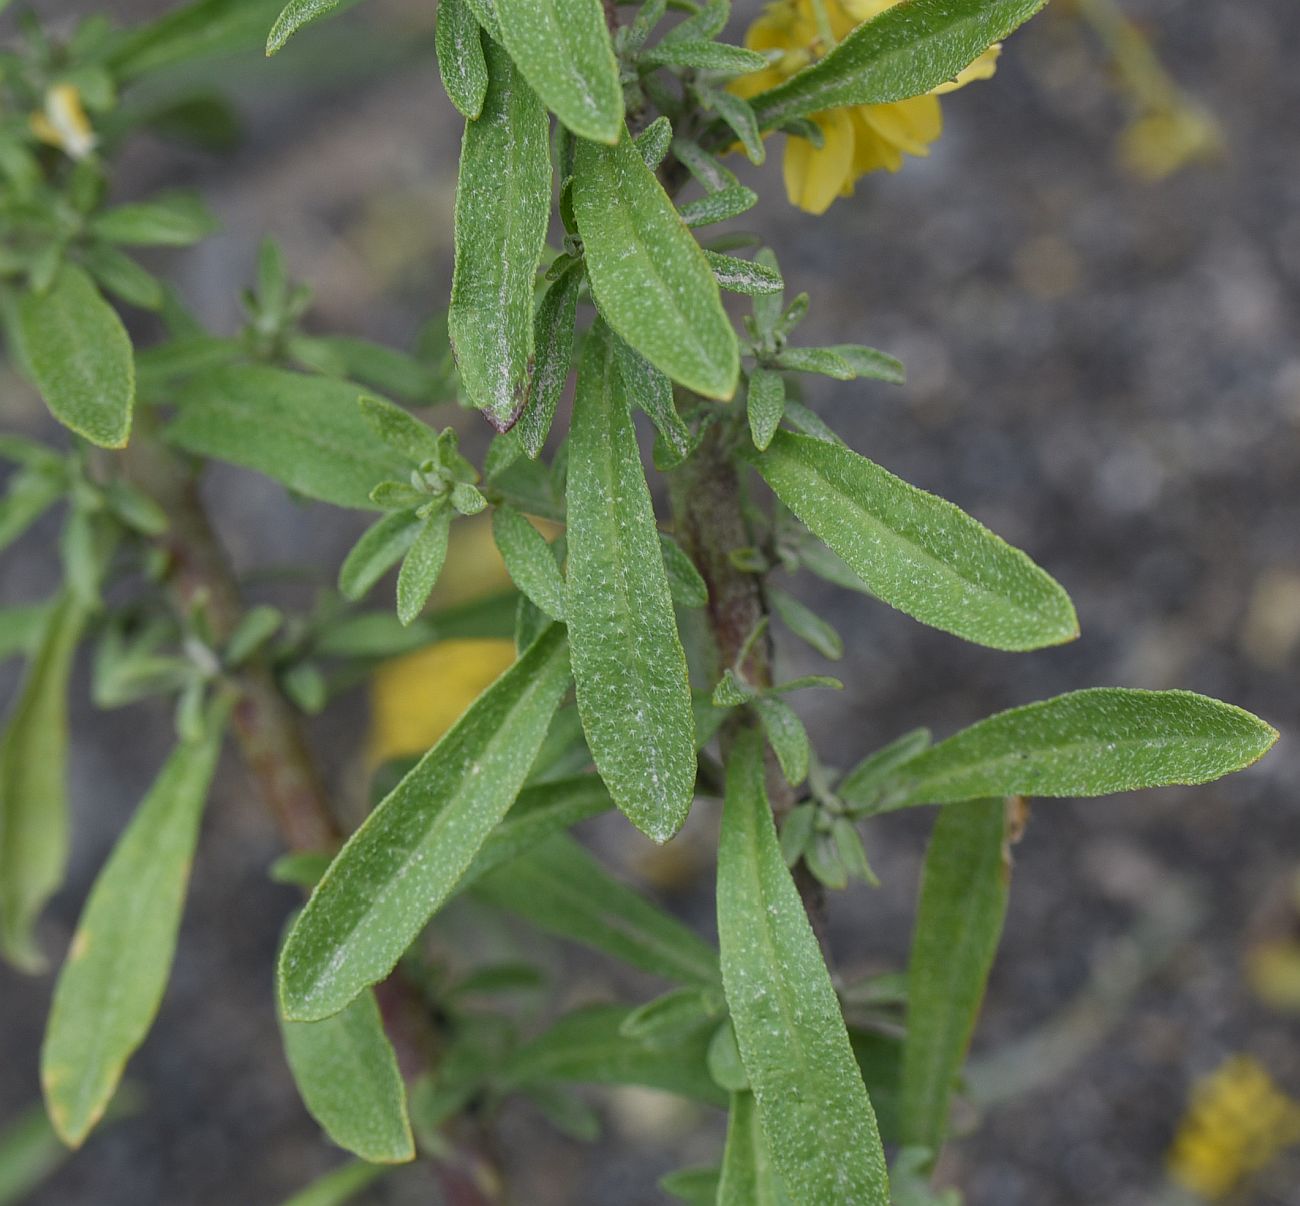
(1237, 1123)
(858, 139)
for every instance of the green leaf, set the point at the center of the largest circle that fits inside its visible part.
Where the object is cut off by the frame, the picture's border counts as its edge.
(743, 276)
(628, 660)
(588, 1047)
(503, 205)
(878, 768)
(338, 1186)
(867, 362)
(1087, 743)
(749, 1178)
(486, 13)
(687, 587)
(765, 400)
(293, 17)
(21, 629)
(30, 1152)
(916, 551)
(30, 493)
(400, 430)
(905, 51)
(724, 1061)
(123, 277)
(739, 115)
(786, 735)
(823, 361)
(652, 393)
(811, 1101)
(422, 564)
(718, 207)
(173, 221)
(673, 1016)
(964, 887)
(649, 277)
(653, 142)
(33, 791)
(806, 624)
(702, 166)
(562, 49)
(561, 888)
(80, 357)
(347, 1074)
(404, 861)
(695, 1186)
(459, 44)
(303, 431)
(380, 548)
(554, 354)
(539, 813)
(120, 957)
(530, 561)
(702, 55)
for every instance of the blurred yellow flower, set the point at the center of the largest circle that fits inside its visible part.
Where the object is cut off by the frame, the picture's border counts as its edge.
(858, 139)
(63, 122)
(1238, 1122)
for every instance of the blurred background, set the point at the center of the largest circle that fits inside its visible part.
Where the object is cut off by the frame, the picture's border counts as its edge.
(1103, 366)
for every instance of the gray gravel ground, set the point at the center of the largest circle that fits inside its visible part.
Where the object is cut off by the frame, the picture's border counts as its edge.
(1105, 371)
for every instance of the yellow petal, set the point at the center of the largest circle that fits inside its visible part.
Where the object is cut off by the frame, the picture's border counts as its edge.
(814, 176)
(910, 125)
(416, 698)
(981, 69)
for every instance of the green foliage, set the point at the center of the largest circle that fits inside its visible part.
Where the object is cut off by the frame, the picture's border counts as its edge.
(658, 716)
(79, 356)
(811, 1102)
(346, 1071)
(120, 956)
(958, 924)
(628, 661)
(365, 912)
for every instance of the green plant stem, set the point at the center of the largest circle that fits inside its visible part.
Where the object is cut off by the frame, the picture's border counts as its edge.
(705, 495)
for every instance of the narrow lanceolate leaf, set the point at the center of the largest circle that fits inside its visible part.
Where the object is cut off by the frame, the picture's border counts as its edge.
(1087, 743)
(905, 51)
(749, 1178)
(743, 276)
(304, 431)
(562, 47)
(685, 583)
(562, 889)
(461, 64)
(811, 1101)
(399, 867)
(348, 1078)
(293, 17)
(486, 12)
(503, 203)
(653, 142)
(652, 393)
(958, 925)
(739, 115)
(588, 1046)
(765, 400)
(80, 357)
(718, 207)
(702, 55)
(868, 362)
(422, 564)
(33, 792)
(628, 661)
(529, 560)
(554, 355)
(916, 551)
(649, 277)
(380, 548)
(121, 953)
(174, 221)
(786, 735)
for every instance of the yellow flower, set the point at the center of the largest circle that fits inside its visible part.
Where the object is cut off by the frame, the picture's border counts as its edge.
(858, 139)
(1237, 1123)
(63, 122)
